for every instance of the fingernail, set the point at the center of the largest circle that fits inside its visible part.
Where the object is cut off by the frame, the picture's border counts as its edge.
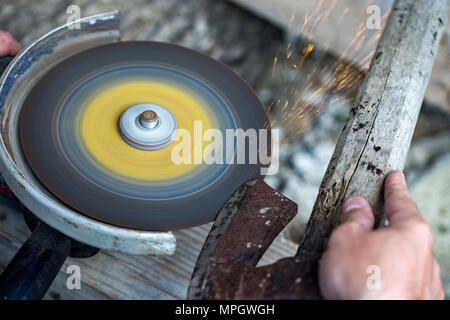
(354, 203)
(397, 177)
(363, 216)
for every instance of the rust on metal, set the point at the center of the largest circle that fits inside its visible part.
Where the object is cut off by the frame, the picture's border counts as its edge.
(148, 116)
(244, 229)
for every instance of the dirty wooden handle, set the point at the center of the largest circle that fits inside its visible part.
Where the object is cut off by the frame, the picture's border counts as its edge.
(376, 138)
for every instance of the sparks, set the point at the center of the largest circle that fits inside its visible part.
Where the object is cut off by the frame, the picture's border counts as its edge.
(339, 79)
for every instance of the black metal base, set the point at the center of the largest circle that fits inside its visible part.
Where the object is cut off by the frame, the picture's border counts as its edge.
(78, 249)
(34, 267)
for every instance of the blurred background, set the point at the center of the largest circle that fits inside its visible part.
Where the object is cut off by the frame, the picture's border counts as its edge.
(306, 60)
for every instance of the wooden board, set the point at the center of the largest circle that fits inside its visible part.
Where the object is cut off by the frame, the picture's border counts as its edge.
(340, 27)
(112, 275)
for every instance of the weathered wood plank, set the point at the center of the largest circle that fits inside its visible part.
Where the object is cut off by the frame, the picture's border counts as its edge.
(337, 26)
(112, 275)
(377, 135)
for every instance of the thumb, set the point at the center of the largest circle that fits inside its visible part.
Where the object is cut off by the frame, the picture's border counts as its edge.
(358, 210)
(8, 46)
(399, 206)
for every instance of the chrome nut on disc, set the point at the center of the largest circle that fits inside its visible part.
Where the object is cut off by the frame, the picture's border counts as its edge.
(148, 126)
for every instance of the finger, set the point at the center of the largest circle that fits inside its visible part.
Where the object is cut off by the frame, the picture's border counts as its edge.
(398, 204)
(8, 45)
(358, 210)
(437, 290)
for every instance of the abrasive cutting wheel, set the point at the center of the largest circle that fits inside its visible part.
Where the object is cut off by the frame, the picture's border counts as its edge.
(98, 130)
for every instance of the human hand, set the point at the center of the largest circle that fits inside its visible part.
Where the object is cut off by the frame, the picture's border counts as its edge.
(8, 46)
(401, 253)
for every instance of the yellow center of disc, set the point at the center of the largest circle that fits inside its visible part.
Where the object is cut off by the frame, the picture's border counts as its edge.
(100, 129)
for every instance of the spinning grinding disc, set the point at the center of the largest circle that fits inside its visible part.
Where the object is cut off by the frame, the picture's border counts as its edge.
(98, 130)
